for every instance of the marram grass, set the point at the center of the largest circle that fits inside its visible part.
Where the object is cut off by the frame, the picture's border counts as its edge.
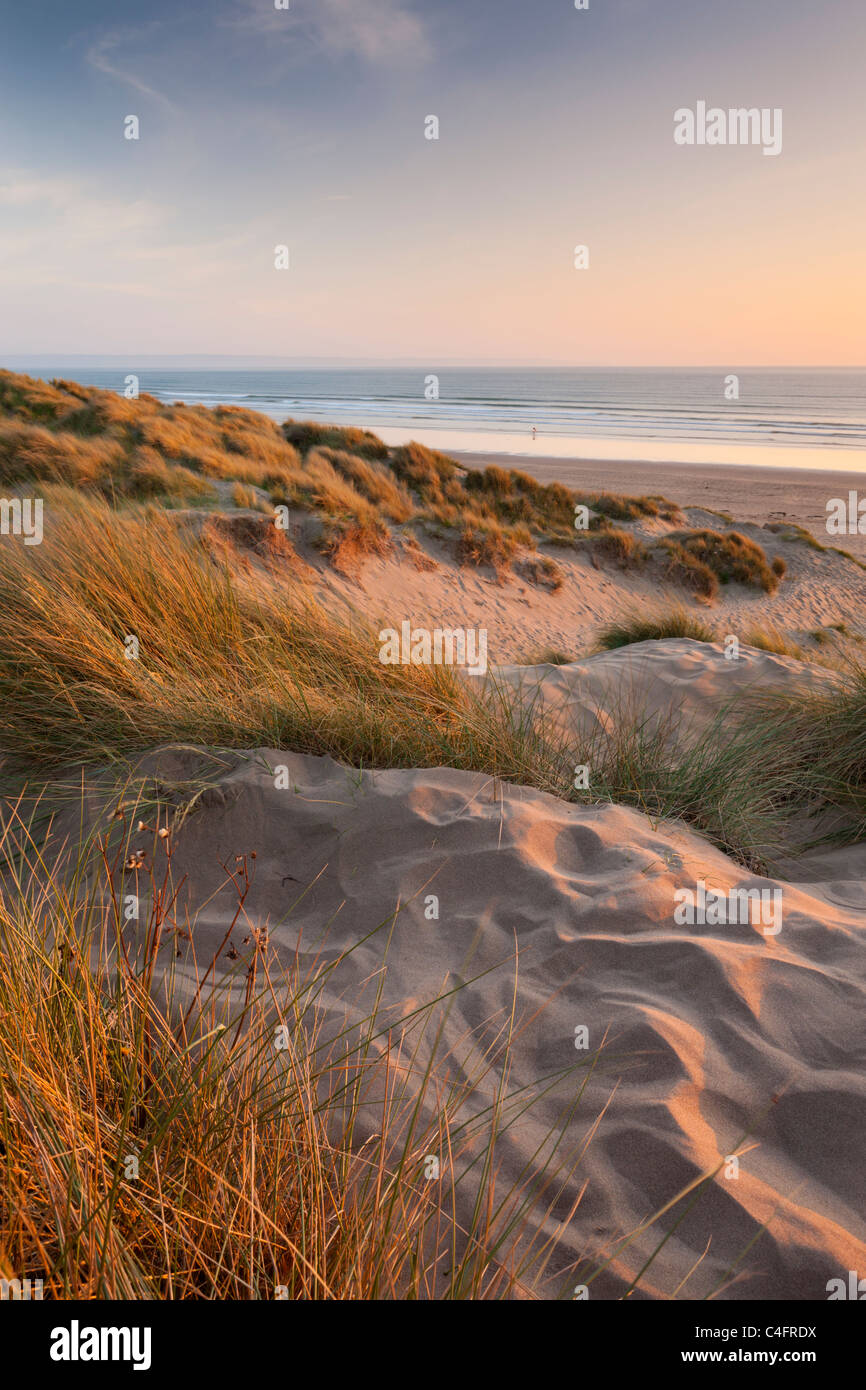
(226, 659)
(231, 1145)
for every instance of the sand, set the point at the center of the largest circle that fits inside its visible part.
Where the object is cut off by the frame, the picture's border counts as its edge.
(702, 1034)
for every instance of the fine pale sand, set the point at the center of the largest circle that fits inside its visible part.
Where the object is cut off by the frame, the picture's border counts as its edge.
(716, 1040)
(749, 493)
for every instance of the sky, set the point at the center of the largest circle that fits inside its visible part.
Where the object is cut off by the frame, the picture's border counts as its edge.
(305, 127)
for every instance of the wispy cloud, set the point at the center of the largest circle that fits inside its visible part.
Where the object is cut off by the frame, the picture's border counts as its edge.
(76, 211)
(57, 229)
(381, 32)
(99, 55)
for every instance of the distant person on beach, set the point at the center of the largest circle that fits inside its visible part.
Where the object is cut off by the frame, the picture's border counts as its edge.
(534, 431)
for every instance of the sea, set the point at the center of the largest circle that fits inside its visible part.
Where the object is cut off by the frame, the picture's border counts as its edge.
(793, 417)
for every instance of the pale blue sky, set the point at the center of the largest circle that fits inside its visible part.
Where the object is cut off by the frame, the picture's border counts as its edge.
(306, 127)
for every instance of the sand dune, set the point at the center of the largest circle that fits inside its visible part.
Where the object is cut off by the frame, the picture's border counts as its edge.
(687, 685)
(705, 1034)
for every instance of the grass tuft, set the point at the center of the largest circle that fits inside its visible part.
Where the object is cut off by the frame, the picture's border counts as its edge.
(730, 557)
(654, 627)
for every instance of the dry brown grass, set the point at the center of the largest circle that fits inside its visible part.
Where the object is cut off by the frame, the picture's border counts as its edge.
(348, 543)
(682, 567)
(92, 438)
(326, 490)
(221, 663)
(216, 1141)
(31, 451)
(621, 547)
(150, 476)
(654, 625)
(29, 399)
(768, 638)
(486, 544)
(373, 480)
(731, 557)
(308, 434)
(541, 571)
(615, 507)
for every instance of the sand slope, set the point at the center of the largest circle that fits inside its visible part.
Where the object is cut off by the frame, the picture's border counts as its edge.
(522, 619)
(704, 1025)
